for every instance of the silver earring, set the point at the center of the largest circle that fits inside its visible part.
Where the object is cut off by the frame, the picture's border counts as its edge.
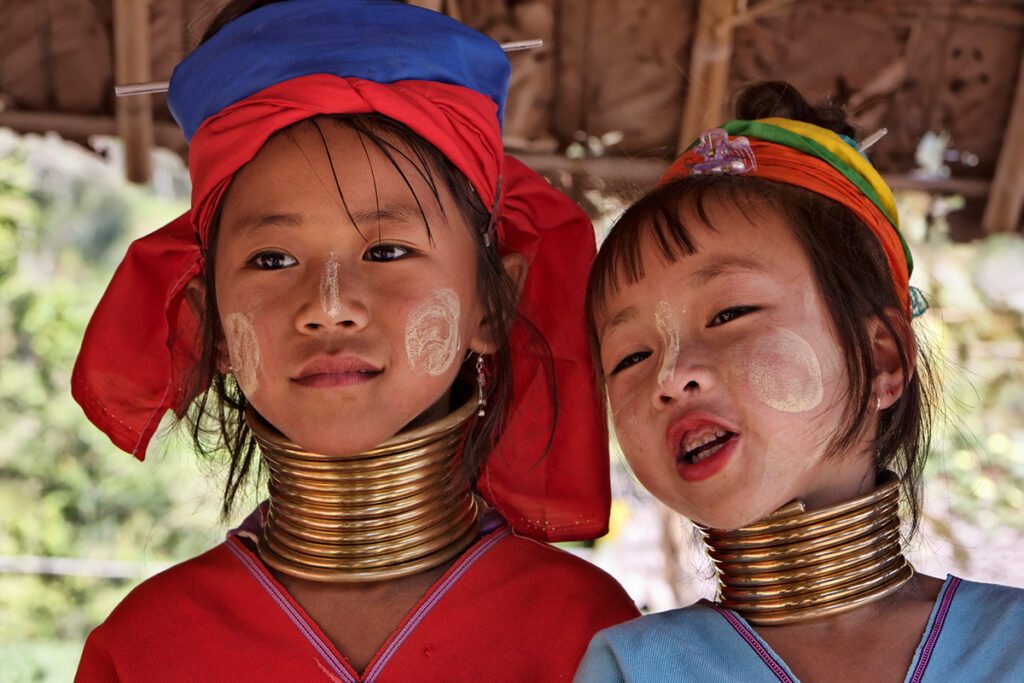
(481, 383)
(878, 403)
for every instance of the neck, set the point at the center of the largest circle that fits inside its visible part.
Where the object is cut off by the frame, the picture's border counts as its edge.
(796, 565)
(396, 510)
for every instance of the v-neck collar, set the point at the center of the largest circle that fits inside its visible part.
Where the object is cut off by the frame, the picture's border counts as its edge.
(331, 661)
(921, 656)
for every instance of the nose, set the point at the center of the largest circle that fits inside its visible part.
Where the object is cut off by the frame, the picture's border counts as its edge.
(334, 298)
(687, 376)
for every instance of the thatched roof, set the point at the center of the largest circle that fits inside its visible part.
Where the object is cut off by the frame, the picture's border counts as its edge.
(624, 80)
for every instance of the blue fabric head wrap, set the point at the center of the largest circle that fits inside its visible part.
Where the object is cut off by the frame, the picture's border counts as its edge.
(377, 40)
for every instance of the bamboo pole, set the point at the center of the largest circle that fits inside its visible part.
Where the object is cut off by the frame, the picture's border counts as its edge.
(1006, 199)
(132, 65)
(709, 69)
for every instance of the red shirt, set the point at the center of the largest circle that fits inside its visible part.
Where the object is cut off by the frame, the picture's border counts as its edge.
(510, 609)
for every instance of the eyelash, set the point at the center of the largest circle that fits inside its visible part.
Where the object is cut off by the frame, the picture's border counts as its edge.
(629, 361)
(729, 314)
(260, 260)
(376, 250)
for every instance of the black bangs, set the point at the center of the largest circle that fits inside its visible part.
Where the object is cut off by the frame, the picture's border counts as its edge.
(655, 224)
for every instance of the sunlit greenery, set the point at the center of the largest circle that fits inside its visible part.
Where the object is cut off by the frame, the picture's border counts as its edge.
(66, 217)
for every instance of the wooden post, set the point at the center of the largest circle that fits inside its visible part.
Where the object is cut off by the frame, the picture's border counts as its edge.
(131, 65)
(1003, 210)
(709, 69)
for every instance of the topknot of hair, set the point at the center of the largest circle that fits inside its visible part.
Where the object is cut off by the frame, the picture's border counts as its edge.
(780, 99)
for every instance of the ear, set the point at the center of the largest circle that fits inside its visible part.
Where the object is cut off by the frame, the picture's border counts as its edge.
(888, 378)
(195, 295)
(516, 267)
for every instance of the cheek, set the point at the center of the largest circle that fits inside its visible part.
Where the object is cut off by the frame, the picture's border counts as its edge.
(782, 371)
(244, 350)
(627, 420)
(432, 339)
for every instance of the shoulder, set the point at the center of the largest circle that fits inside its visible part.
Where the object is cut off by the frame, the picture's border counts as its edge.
(166, 607)
(663, 646)
(688, 628)
(531, 582)
(975, 631)
(989, 606)
(554, 569)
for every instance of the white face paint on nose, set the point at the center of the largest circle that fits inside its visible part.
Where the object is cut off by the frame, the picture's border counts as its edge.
(244, 349)
(783, 371)
(432, 333)
(668, 328)
(330, 300)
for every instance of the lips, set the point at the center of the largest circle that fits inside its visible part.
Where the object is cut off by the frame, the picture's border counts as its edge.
(702, 445)
(333, 371)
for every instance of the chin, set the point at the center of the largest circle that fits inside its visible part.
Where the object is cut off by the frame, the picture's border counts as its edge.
(725, 519)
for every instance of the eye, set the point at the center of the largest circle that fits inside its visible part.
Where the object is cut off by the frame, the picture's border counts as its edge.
(272, 260)
(385, 252)
(729, 314)
(629, 361)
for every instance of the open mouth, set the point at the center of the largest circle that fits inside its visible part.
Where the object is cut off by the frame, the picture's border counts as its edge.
(696, 447)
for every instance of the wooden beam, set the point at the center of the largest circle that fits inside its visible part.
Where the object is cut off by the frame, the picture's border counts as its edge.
(710, 59)
(1003, 210)
(80, 127)
(131, 65)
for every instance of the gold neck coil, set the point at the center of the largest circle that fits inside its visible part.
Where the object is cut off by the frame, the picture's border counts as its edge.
(398, 509)
(796, 565)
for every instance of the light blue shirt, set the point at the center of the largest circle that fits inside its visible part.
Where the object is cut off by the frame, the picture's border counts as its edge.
(975, 633)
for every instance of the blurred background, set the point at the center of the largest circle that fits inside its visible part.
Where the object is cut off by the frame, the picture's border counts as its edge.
(601, 109)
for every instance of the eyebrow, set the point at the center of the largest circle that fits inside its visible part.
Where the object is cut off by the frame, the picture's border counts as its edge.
(396, 214)
(252, 223)
(400, 213)
(727, 266)
(624, 316)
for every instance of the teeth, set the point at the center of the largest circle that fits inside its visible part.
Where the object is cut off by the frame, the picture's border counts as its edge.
(693, 442)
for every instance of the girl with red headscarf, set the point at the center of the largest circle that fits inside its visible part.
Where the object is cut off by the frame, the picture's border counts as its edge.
(371, 302)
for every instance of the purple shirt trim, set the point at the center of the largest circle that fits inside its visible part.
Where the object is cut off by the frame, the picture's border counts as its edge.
(259, 573)
(755, 644)
(454, 574)
(325, 651)
(936, 629)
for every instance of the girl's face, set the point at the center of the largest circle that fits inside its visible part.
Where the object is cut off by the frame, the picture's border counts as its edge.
(339, 339)
(725, 376)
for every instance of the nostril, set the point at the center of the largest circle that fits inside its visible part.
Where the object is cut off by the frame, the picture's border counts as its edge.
(665, 399)
(691, 386)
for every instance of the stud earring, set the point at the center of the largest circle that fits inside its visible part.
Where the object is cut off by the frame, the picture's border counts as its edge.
(481, 383)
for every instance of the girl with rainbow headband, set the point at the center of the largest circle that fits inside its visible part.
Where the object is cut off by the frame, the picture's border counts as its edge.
(752, 321)
(367, 298)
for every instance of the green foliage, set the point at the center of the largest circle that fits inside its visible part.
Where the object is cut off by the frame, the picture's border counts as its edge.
(976, 326)
(66, 217)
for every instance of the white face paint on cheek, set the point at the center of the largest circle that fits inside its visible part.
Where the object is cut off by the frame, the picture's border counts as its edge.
(783, 371)
(432, 333)
(668, 327)
(329, 298)
(244, 348)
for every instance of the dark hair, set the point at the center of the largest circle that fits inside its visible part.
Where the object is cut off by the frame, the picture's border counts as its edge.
(849, 267)
(217, 416)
